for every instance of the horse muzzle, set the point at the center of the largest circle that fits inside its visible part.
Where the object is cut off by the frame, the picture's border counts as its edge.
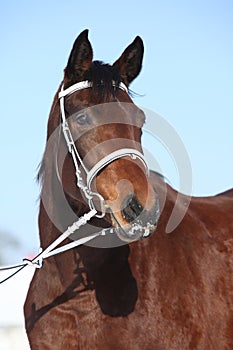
(138, 222)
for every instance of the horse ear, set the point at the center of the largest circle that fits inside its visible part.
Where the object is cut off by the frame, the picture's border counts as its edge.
(130, 62)
(80, 58)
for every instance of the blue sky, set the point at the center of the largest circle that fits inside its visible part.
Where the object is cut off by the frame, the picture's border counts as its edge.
(187, 77)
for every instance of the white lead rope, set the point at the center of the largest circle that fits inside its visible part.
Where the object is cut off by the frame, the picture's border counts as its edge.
(49, 251)
(37, 262)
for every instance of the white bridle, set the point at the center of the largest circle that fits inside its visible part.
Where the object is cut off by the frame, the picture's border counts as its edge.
(91, 173)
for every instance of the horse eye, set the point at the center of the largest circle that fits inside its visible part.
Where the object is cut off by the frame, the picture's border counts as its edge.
(83, 119)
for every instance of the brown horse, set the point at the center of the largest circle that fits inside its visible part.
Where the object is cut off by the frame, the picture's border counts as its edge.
(168, 291)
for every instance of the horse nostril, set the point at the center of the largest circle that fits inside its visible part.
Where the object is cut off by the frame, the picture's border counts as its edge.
(131, 208)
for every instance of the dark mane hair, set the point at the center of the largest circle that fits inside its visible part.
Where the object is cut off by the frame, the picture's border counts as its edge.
(102, 76)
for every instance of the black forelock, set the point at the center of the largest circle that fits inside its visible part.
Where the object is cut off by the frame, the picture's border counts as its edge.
(102, 77)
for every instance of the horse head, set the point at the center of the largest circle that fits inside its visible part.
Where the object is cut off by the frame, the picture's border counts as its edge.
(103, 128)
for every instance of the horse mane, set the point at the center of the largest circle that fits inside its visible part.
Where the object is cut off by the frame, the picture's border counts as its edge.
(54, 109)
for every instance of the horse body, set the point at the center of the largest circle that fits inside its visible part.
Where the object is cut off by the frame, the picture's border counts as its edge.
(170, 291)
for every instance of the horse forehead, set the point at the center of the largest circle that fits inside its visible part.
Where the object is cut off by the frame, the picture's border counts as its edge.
(117, 109)
(81, 97)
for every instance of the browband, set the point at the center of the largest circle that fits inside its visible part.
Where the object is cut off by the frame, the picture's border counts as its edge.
(85, 85)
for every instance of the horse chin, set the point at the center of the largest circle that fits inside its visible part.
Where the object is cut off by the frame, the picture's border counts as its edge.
(134, 232)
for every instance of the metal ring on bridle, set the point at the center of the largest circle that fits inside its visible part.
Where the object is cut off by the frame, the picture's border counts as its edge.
(102, 204)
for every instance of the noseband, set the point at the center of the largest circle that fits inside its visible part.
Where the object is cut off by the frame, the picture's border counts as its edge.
(85, 187)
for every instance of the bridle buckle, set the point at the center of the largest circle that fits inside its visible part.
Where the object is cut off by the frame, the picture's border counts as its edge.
(102, 205)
